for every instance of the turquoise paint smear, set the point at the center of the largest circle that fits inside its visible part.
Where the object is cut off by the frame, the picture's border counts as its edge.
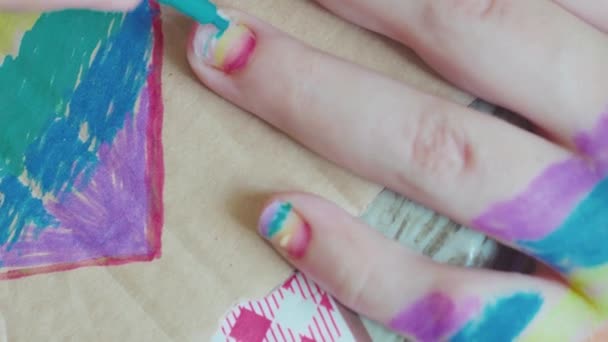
(580, 242)
(502, 321)
(106, 94)
(36, 86)
(277, 224)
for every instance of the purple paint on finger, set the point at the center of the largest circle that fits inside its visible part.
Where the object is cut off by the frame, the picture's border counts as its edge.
(552, 197)
(435, 317)
(106, 219)
(544, 205)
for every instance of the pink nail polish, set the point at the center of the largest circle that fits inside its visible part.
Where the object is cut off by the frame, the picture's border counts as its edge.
(285, 229)
(229, 51)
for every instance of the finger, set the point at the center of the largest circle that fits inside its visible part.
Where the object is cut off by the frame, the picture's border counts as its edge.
(594, 12)
(452, 159)
(39, 5)
(412, 295)
(417, 144)
(530, 56)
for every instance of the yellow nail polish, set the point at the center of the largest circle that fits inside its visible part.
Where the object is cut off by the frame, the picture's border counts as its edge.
(285, 229)
(229, 51)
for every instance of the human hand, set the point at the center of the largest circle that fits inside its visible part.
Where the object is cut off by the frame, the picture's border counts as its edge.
(545, 194)
(38, 5)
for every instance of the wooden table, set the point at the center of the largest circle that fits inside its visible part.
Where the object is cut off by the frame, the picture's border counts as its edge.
(438, 237)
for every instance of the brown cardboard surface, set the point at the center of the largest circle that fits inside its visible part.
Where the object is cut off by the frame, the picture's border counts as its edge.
(220, 165)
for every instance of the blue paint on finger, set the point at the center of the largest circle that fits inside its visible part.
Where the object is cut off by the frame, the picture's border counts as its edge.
(504, 320)
(580, 241)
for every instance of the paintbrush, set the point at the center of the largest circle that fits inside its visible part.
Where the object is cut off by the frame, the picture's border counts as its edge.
(202, 11)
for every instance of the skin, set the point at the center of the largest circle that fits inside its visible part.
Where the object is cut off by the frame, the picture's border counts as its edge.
(439, 153)
(553, 71)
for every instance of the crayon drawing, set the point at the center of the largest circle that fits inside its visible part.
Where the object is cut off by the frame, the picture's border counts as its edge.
(81, 170)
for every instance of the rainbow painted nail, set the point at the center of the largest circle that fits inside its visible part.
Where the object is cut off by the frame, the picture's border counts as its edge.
(285, 229)
(229, 51)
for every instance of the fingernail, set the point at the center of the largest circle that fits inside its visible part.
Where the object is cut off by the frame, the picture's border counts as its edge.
(285, 229)
(229, 51)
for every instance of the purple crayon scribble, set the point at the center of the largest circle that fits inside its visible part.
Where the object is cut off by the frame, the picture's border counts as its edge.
(435, 317)
(108, 218)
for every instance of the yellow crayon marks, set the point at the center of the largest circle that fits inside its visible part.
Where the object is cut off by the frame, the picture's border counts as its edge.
(594, 282)
(571, 319)
(12, 27)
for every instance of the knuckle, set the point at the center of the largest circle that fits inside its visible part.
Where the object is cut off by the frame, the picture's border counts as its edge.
(354, 285)
(297, 94)
(438, 149)
(476, 9)
(456, 12)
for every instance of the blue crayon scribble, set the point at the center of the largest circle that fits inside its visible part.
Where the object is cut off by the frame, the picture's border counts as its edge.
(19, 209)
(106, 95)
(62, 157)
(502, 321)
(580, 242)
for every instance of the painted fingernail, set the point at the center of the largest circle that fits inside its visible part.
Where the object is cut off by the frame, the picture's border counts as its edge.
(285, 229)
(228, 51)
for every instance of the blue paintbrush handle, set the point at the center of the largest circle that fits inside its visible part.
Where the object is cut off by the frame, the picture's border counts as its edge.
(202, 11)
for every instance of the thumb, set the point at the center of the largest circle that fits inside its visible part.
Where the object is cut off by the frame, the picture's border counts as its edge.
(412, 295)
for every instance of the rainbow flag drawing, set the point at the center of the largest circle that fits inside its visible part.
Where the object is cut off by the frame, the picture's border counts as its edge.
(81, 169)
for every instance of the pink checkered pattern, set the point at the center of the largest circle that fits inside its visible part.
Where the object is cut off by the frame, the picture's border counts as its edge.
(298, 311)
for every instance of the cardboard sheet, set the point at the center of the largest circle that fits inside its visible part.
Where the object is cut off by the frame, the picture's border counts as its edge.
(220, 165)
